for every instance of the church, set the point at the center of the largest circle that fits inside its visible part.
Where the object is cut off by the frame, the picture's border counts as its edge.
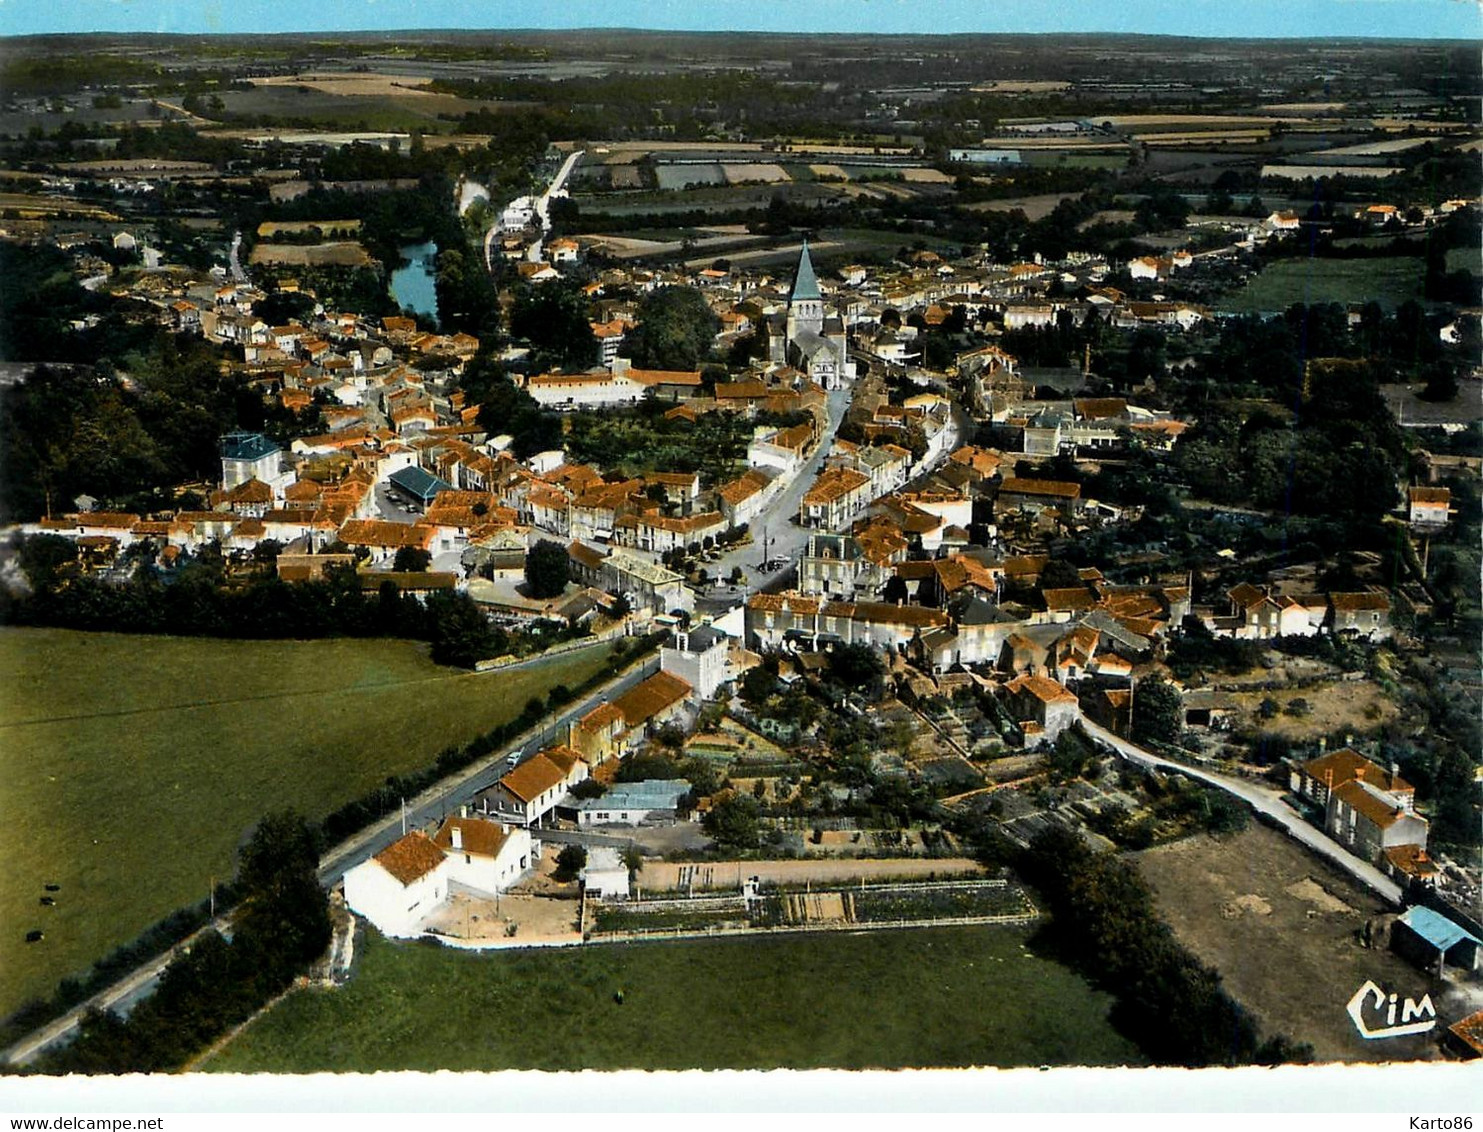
(804, 337)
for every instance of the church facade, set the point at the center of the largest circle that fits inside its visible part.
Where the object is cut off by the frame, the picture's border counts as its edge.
(806, 336)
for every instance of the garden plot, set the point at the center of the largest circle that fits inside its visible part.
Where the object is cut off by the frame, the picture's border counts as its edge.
(815, 909)
(673, 177)
(767, 174)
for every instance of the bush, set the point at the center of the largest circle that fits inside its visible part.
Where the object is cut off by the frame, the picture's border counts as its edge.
(570, 861)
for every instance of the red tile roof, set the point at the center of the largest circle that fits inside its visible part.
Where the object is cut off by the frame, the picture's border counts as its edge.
(411, 858)
(485, 838)
(644, 701)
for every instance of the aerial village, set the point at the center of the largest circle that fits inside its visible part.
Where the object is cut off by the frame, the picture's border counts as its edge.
(922, 554)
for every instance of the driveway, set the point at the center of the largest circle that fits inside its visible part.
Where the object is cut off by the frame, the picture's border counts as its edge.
(1264, 800)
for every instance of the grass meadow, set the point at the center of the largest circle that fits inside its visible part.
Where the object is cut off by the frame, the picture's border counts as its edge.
(1388, 280)
(134, 766)
(953, 997)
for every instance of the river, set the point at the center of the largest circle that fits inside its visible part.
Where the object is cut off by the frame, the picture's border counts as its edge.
(413, 286)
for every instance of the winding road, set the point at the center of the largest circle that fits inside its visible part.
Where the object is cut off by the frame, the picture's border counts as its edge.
(1264, 800)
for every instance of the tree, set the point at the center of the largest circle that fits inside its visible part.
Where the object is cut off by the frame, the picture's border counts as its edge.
(856, 666)
(1158, 711)
(570, 861)
(553, 317)
(675, 331)
(733, 822)
(411, 559)
(285, 910)
(633, 858)
(461, 634)
(758, 684)
(1059, 574)
(546, 569)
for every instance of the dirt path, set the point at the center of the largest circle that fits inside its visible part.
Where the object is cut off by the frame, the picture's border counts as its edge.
(657, 877)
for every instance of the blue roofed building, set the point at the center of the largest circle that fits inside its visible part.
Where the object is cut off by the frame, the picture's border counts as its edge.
(421, 485)
(1434, 942)
(634, 803)
(249, 456)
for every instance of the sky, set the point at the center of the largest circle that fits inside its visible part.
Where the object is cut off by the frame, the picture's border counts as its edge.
(1413, 19)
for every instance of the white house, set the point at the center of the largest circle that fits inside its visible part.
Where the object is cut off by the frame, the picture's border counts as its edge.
(252, 456)
(485, 855)
(400, 885)
(535, 787)
(1429, 506)
(574, 390)
(697, 656)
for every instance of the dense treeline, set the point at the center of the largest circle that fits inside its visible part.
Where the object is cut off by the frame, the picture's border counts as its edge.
(197, 599)
(389, 220)
(1104, 925)
(506, 408)
(282, 924)
(65, 431)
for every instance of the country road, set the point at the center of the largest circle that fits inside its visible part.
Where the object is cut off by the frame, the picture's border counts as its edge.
(434, 803)
(1265, 800)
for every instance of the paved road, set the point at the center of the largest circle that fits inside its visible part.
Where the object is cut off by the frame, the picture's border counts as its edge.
(446, 796)
(433, 804)
(1264, 800)
(238, 275)
(785, 539)
(543, 202)
(543, 209)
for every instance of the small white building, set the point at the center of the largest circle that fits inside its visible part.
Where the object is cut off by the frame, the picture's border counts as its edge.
(634, 803)
(400, 885)
(605, 875)
(1429, 506)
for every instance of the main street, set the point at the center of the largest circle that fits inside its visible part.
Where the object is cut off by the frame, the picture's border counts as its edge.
(785, 539)
(435, 803)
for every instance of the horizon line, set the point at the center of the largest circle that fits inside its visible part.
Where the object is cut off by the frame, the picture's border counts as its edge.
(746, 32)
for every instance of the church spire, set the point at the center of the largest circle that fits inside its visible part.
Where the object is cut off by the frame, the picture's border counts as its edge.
(805, 283)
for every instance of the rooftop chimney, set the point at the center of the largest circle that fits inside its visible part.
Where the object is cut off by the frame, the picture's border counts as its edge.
(457, 838)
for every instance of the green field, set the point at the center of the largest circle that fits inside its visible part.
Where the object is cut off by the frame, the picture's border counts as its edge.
(1390, 281)
(133, 766)
(885, 999)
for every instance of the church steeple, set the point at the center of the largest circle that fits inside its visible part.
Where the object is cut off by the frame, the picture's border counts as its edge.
(805, 283)
(806, 303)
